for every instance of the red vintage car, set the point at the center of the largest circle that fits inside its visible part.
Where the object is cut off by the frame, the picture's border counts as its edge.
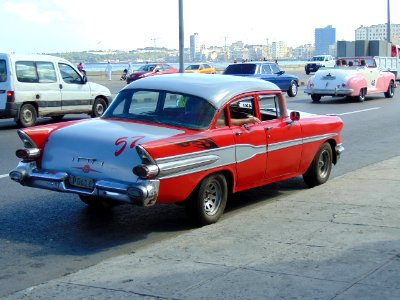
(151, 70)
(183, 138)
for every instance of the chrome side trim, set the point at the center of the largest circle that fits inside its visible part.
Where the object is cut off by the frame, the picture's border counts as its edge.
(168, 168)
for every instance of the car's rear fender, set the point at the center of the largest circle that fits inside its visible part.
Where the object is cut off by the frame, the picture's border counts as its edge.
(356, 83)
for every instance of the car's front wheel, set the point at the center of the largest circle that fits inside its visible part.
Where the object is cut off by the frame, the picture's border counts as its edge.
(292, 91)
(315, 98)
(390, 92)
(320, 169)
(207, 203)
(98, 108)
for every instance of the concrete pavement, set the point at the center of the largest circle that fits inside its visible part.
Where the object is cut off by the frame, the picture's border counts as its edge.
(340, 240)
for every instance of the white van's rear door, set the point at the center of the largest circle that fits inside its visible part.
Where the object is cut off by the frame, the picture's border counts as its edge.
(3, 82)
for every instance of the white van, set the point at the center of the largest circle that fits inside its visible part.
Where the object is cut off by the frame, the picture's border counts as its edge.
(48, 86)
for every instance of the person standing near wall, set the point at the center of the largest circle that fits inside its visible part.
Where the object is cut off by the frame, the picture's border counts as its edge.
(109, 70)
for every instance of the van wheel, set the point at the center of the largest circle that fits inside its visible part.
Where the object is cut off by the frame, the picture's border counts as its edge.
(208, 201)
(27, 115)
(99, 107)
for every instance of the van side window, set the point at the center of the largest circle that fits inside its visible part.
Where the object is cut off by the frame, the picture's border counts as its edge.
(3, 70)
(46, 72)
(69, 75)
(26, 71)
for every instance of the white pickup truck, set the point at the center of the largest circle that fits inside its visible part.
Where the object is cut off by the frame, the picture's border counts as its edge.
(319, 61)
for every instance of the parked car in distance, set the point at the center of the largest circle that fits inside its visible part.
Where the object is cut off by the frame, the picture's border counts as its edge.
(183, 138)
(151, 70)
(358, 80)
(35, 85)
(319, 61)
(268, 71)
(200, 68)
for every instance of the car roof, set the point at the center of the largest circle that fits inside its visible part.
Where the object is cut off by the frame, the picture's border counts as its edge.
(216, 88)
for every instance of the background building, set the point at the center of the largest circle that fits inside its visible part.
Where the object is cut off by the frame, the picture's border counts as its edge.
(324, 38)
(378, 32)
(194, 47)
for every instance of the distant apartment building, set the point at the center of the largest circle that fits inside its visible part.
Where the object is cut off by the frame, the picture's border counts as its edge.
(324, 38)
(378, 32)
(279, 50)
(194, 47)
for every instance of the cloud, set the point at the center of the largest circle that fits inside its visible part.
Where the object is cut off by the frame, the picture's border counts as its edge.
(32, 12)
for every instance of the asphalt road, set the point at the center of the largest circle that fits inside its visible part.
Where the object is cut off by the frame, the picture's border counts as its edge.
(44, 235)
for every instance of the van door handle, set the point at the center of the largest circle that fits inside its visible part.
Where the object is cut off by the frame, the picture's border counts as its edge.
(61, 86)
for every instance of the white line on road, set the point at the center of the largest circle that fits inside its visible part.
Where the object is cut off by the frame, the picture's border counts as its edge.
(3, 176)
(358, 111)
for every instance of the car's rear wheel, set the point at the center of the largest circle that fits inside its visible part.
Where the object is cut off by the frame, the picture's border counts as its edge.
(207, 203)
(361, 96)
(99, 106)
(390, 92)
(315, 98)
(320, 169)
(98, 202)
(27, 115)
(292, 91)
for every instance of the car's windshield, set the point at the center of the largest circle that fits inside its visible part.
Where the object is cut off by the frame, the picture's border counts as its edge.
(147, 68)
(240, 69)
(162, 107)
(318, 58)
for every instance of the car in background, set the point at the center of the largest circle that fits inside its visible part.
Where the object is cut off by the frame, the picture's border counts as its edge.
(319, 61)
(357, 79)
(151, 70)
(268, 71)
(192, 139)
(200, 68)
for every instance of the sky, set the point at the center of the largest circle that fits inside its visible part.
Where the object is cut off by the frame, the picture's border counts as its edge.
(49, 26)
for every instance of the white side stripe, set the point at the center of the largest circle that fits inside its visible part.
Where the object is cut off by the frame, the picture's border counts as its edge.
(3, 176)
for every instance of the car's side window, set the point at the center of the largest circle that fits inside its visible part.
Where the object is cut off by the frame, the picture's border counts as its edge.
(266, 69)
(242, 108)
(275, 69)
(26, 71)
(68, 74)
(46, 72)
(269, 107)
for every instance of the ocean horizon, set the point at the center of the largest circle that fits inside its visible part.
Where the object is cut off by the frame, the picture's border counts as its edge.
(96, 67)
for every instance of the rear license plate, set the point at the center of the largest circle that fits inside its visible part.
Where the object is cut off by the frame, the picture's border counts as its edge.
(79, 181)
(328, 77)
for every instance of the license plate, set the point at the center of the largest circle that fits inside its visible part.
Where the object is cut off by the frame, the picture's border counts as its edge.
(329, 77)
(79, 181)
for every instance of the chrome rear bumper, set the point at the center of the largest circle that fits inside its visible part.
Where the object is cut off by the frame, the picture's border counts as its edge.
(141, 192)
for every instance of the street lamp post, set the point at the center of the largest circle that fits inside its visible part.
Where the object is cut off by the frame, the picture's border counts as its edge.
(388, 21)
(181, 37)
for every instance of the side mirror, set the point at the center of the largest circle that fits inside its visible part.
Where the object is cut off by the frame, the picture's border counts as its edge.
(84, 79)
(294, 115)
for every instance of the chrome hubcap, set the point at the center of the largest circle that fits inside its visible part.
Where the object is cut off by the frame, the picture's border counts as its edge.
(212, 198)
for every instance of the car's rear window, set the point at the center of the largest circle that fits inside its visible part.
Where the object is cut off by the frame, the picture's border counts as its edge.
(240, 69)
(3, 70)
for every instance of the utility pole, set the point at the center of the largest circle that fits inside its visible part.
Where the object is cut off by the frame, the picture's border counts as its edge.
(181, 37)
(388, 21)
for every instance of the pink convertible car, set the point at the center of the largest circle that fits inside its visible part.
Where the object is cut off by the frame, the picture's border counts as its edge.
(356, 77)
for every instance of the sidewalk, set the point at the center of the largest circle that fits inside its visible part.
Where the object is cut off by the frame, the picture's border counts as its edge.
(340, 240)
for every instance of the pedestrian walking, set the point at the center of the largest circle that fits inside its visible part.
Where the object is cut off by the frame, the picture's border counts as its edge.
(109, 70)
